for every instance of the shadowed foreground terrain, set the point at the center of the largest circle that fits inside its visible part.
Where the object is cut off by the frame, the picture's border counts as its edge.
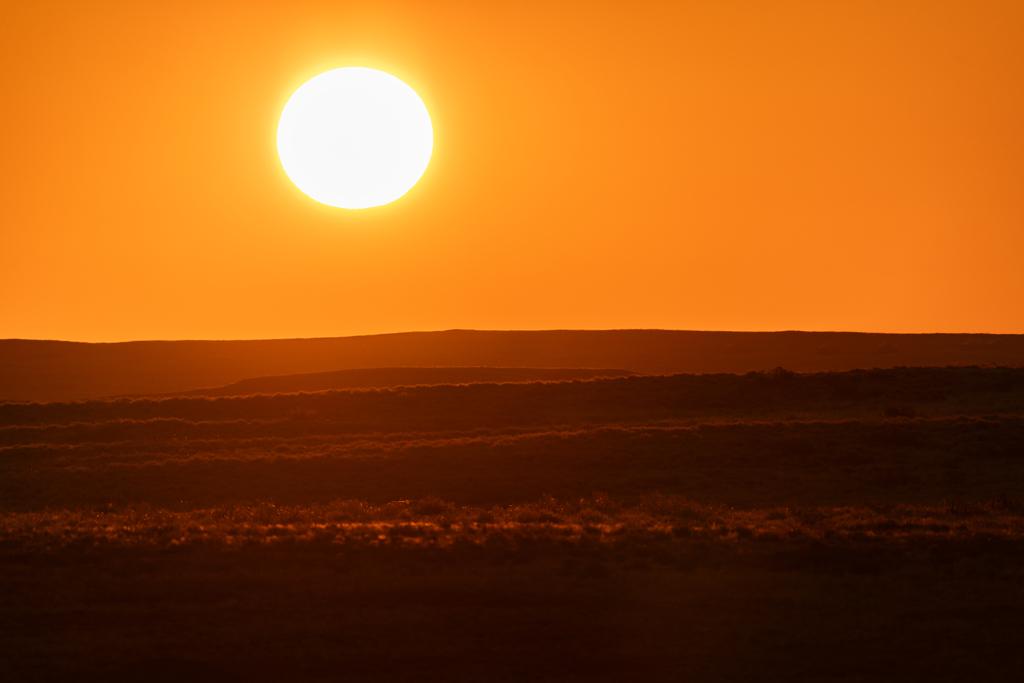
(865, 525)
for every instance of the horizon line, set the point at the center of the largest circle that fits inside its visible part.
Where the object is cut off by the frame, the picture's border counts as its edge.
(505, 331)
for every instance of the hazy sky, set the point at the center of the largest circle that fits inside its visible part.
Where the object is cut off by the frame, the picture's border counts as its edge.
(710, 165)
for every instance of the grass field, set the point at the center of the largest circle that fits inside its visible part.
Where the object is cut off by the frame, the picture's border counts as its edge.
(837, 526)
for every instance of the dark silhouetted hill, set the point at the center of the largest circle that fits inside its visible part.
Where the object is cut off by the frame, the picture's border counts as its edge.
(53, 370)
(897, 392)
(375, 378)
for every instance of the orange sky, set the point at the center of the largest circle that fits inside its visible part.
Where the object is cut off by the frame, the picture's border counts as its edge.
(711, 165)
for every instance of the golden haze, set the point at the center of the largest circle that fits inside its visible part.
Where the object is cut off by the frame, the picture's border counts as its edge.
(730, 165)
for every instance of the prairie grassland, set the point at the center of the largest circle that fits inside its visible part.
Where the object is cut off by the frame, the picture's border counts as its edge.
(852, 526)
(553, 590)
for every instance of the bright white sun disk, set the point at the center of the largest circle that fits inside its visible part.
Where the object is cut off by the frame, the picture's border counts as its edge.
(355, 138)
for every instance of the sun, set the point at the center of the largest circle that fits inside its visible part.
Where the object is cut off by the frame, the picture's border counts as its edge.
(355, 138)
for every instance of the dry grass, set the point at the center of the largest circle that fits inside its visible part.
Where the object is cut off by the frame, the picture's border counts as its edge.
(437, 523)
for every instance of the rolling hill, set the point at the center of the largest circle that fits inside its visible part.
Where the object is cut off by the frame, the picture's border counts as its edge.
(57, 371)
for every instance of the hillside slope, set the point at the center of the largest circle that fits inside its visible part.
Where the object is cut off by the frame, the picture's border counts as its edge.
(53, 370)
(904, 435)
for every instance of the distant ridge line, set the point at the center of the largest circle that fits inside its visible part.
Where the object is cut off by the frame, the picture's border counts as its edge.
(504, 331)
(55, 371)
(375, 378)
